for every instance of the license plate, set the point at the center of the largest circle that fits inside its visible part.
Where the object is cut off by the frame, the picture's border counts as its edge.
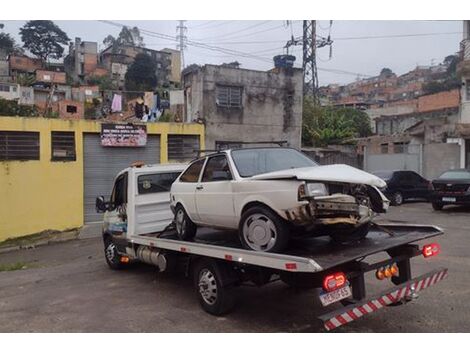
(328, 298)
(448, 199)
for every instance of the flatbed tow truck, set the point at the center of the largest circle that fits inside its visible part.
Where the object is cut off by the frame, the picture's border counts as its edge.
(217, 262)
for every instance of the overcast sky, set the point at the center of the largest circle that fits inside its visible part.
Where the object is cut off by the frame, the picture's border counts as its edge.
(264, 39)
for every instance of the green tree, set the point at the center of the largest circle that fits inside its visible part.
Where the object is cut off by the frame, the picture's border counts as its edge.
(104, 82)
(330, 125)
(8, 45)
(44, 39)
(127, 36)
(386, 72)
(140, 75)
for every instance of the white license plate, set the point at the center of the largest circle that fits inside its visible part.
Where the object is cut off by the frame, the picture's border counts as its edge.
(328, 298)
(448, 199)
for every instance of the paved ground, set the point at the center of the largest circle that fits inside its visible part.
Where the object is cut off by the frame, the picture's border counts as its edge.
(70, 289)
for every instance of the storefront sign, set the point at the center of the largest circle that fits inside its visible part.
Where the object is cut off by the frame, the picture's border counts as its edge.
(120, 135)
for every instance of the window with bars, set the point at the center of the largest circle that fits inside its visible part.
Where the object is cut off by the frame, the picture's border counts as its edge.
(63, 146)
(182, 147)
(18, 145)
(229, 96)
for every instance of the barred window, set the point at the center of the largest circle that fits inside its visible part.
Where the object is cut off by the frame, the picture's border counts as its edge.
(182, 147)
(63, 146)
(18, 145)
(228, 96)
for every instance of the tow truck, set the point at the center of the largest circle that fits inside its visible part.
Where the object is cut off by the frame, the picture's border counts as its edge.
(138, 226)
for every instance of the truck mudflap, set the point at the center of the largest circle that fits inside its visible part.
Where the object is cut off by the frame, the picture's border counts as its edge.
(401, 293)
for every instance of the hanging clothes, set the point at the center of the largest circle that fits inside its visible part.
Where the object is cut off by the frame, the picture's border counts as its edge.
(116, 105)
(139, 110)
(148, 99)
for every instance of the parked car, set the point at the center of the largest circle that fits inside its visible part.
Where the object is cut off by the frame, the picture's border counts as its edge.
(452, 187)
(268, 193)
(403, 185)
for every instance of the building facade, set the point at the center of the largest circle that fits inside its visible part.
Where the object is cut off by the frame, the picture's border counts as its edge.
(238, 105)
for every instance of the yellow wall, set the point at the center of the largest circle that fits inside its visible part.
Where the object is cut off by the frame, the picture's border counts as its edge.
(40, 195)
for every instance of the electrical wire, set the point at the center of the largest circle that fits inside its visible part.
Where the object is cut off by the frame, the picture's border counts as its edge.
(235, 32)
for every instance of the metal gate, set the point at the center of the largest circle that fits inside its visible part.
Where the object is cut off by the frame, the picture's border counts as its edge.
(101, 164)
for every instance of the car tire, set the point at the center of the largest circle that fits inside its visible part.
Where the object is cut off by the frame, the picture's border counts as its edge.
(113, 258)
(397, 198)
(185, 228)
(437, 206)
(215, 295)
(261, 229)
(351, 234)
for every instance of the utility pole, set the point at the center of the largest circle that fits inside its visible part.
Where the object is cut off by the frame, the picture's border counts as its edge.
(181, 29)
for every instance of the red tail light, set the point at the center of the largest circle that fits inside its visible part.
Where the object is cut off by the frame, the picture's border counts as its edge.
(431, 250)
(334, 281)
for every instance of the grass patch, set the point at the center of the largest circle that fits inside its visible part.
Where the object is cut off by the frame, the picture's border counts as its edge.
(13, 266)
(31, 240)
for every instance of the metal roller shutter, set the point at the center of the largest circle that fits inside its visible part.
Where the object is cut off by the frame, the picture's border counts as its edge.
(101, 164)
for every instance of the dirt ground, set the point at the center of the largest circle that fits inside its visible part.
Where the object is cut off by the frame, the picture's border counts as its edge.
(67, 287)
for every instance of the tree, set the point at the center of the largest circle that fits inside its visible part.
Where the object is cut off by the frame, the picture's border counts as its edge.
(127, 36)
(104, 82)
(44, 39)
(386, 72)
(322, 126)
(141, 74)
(8, 45)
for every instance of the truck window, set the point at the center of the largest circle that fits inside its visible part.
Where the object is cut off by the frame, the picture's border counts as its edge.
(156, 183)
(119, 195)
(192, 173)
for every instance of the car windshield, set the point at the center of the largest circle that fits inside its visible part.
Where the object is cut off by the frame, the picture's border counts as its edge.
(384, 175)
(250, 162)
(455, 175)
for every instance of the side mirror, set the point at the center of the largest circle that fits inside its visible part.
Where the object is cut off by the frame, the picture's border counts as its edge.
(100, 205)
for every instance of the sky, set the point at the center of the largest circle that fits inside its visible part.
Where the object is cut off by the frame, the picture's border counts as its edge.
(354, 53)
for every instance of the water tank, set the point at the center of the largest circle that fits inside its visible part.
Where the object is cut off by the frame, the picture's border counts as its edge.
(284, 61)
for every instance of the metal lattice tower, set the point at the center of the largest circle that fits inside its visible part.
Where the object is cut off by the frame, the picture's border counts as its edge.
(181, 29)
(309, 63)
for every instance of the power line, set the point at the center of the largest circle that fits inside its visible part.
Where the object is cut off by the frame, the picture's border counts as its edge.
(202, 24)
(395, 36)
(235, 32)
(223, 23)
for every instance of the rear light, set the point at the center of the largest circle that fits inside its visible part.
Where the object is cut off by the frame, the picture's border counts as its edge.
(387, 272)
(431, 250)
(124, 260)
(334, 281)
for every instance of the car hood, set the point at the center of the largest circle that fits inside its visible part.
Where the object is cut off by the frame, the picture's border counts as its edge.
(332, 173)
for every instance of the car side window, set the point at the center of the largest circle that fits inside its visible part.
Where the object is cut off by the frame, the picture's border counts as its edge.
(119, 195)
(192, 172)
(217, 169)
(156, 183)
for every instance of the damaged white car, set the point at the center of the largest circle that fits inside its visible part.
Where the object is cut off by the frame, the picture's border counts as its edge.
(269, 194)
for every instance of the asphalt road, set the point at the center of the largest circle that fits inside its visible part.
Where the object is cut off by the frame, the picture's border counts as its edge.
(67, 287)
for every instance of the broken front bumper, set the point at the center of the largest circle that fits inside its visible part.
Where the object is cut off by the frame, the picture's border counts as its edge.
(330, 210)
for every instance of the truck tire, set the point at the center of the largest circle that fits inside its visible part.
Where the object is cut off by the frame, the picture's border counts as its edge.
(185, 228)
(215, 295)
(261, 229)
(437, 206)
(350, 234)
(113, 258)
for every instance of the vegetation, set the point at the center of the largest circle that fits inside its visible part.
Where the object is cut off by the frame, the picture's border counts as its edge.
(330, 125)
(13, 266)
(12, 108)
(127, 36)
(25, 79)
(451, 81)
(104, 82)
(386, 72)
(44, 39)
(140, 75)
(8, 44)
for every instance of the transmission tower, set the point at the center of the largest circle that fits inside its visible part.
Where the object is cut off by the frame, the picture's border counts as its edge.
(181, 29)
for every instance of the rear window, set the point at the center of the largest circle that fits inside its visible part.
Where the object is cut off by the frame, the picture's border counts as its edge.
(455, 175)
(156, 183)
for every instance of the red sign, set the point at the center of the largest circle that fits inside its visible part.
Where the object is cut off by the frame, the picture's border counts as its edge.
(123, 135)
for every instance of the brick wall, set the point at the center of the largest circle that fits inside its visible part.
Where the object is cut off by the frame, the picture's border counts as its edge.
(69, 109)
(442, 100)
(23, 63)
(50, 76)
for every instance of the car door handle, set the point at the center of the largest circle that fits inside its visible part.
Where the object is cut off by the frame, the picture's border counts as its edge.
(199, 187)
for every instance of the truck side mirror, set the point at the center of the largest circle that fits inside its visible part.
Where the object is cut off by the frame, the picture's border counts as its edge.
(100, 205)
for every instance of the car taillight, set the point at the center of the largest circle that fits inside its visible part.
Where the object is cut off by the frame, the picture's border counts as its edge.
(334, 281)
(431, 250)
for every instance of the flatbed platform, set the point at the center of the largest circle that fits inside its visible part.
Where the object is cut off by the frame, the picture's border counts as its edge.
(304, 254)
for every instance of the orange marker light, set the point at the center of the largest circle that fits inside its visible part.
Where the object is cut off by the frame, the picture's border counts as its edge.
(124, 259)
(379, 274)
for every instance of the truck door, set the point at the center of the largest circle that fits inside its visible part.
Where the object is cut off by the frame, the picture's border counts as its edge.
(214, 199)
(115, 219)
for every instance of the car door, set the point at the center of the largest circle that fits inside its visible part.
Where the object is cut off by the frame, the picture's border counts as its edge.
(421, 186)
(185, 188)
(214, 198)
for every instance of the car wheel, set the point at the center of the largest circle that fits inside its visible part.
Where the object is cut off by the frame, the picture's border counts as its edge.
(351, 234)
(263, 230)
(397, 198)
(215, 296)
(185, 228)
(437, 206)
(113, 258)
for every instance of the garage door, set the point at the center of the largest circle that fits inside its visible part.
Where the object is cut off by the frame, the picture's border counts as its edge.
(101, 164)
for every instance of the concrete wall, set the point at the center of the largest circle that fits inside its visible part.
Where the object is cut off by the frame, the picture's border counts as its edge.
(4, 70)
(13, 93)
(439, 157)
(271, 105)
(40, 195)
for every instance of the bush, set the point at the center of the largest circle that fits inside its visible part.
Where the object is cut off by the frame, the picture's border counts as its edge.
(12, 108)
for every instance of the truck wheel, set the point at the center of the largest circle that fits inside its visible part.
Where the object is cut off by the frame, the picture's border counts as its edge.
(113, 258)
(185, 228)
(397, 198)
(437, 206)
(215, 296)
(350, 234)
(263, 230)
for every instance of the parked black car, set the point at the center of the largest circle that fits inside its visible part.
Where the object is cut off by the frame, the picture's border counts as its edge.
(452, 187)
(403, 185)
